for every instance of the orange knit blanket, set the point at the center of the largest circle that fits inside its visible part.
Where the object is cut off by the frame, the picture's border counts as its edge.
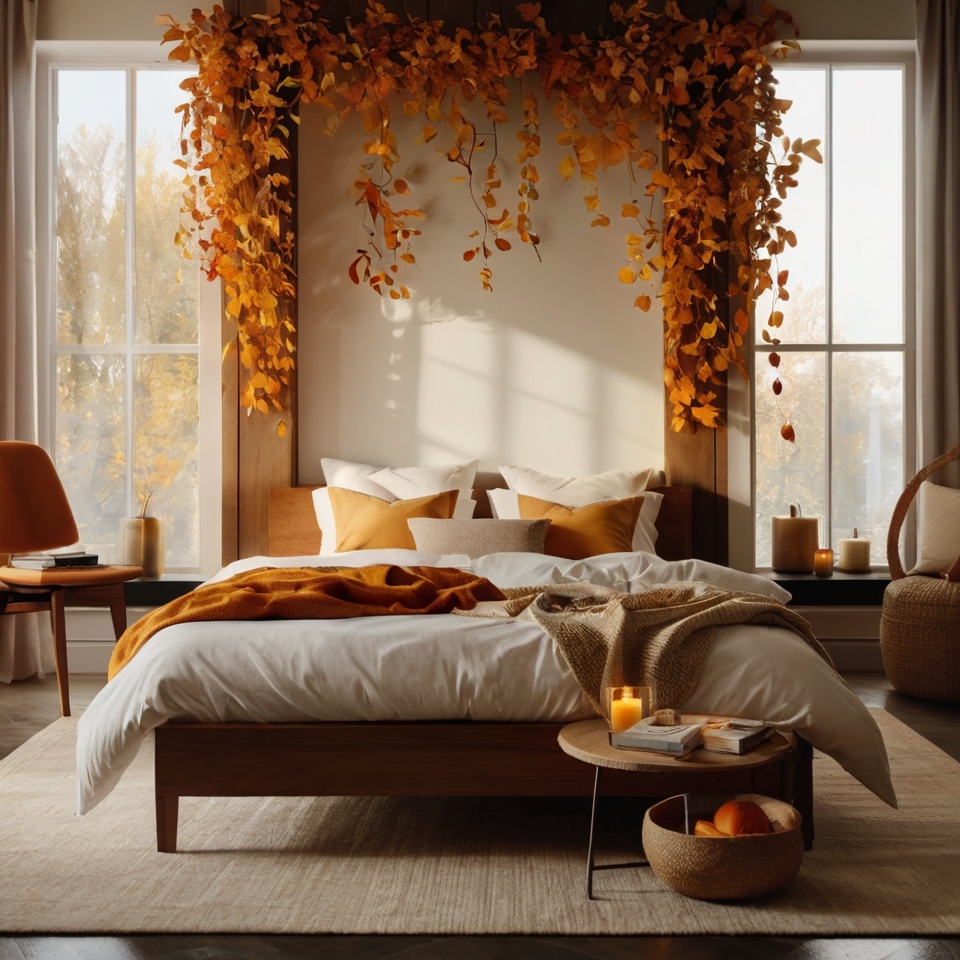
(313, 593)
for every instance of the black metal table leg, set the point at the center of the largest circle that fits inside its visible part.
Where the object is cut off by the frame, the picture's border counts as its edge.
(606, 866)
(593, 817)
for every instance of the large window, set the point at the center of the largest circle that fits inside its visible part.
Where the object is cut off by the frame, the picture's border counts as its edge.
(122, 316)
(846, 350)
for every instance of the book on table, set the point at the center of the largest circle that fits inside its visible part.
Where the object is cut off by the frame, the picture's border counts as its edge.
(676, 740)
(690, 731)
(48, 561)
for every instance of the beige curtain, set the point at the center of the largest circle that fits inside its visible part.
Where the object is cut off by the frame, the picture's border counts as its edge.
(938, 262)
(21, 652)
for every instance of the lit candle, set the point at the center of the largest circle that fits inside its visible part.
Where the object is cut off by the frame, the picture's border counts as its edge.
(795, 540)
(625, 711)
(823, 563)
(854, 554)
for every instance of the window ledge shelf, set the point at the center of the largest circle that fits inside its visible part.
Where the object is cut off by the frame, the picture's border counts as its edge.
(154, 593)
(840, 590)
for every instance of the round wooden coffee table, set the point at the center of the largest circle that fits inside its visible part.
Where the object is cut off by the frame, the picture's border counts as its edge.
(779, 768)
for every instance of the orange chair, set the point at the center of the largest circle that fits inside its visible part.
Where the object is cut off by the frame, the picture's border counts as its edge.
(35, 515)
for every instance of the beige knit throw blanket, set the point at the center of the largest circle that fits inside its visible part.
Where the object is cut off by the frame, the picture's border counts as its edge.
(659, 638)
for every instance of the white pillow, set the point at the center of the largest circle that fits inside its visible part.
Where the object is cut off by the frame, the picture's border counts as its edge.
(408, 483)
(580, 491)
(939, 528)
(414, 481)
(504, 506)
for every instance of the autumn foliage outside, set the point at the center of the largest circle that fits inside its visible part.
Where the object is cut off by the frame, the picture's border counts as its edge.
(688, 107)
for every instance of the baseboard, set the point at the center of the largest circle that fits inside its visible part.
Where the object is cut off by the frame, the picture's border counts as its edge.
(90, 657)
(855, 656)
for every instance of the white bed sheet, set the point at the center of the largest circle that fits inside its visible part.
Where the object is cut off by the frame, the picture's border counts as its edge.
(447, 667)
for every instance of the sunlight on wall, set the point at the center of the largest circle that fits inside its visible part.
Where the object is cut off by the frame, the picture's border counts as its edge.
(554, 369)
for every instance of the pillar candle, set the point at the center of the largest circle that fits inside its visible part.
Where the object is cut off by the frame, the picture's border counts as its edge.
(854, 555)
(625, 712)
(795, 541)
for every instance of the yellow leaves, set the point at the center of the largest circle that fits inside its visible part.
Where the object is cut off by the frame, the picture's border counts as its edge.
(626, 275)
(643, 302)
(709, 330)
(411, 108)
(630, 210)
(567, 167)
(281, 429)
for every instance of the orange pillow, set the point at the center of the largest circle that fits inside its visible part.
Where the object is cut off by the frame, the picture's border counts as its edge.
(369, 523)
(580, 532)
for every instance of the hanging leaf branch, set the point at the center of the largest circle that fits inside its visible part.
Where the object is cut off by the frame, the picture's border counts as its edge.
(687, 108)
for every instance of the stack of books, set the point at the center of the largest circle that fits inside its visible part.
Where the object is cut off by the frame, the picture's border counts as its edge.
(690, 731)
(47, 561)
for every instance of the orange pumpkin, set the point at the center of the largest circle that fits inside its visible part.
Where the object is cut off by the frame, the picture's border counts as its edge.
(737, 817)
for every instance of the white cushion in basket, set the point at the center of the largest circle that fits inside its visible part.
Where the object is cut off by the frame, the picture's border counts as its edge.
(939, 528)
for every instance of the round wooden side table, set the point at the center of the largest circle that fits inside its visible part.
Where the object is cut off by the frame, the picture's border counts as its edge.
(779, 768)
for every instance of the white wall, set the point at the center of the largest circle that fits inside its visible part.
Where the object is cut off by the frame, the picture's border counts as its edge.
(555, 368)
(108, 19)
(853, 19)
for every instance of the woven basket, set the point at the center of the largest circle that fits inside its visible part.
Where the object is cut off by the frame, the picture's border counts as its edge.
(920, 619)
(723, 868)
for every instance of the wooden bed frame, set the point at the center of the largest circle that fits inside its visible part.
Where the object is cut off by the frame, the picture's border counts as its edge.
(442, 758)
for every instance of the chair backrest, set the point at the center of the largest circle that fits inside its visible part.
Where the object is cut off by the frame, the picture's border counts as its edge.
(903, 505)
(34, 511)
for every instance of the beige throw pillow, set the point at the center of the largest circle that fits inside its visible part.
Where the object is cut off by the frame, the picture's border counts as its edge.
(477, 538)
(364, 522)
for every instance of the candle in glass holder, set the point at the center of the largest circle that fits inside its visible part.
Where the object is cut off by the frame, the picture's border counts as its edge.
(628, 705)
(823, 563)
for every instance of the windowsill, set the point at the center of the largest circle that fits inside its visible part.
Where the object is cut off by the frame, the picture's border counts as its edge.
(840, 590)
(154, 593)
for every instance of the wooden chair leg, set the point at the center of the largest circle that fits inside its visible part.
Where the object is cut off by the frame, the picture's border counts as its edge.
(118, 610)
(59, 625)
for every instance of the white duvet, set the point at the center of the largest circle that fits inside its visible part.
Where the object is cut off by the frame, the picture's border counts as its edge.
(444, 667)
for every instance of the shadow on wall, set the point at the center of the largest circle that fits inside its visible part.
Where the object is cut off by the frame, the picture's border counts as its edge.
(554, 368)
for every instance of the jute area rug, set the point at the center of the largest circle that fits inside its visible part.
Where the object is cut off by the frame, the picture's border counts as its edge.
(448, 866)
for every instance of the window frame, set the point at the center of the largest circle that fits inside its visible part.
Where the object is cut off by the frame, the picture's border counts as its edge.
(128, 56)
(742, 397)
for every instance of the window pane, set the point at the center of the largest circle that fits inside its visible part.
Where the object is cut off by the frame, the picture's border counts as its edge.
(867, 206)
(166, 309)
(91, 295)
(90, 446)
(165, 449)
(804, 212)
(868, 446)
(790, 472)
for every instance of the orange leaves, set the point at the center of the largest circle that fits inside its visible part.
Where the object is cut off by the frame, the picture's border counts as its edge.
(686, 108)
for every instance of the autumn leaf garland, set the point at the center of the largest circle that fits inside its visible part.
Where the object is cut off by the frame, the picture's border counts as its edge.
(687, 107)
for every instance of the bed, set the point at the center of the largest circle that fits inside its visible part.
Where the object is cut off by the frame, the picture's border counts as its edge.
(352, 749)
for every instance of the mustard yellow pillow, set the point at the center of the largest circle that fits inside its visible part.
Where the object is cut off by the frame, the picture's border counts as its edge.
(369, 523)
(579, 532)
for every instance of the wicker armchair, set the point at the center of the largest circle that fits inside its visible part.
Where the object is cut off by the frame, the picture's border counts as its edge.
(920, 619)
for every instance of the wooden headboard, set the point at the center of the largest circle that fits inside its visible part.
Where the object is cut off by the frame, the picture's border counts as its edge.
(293, 530)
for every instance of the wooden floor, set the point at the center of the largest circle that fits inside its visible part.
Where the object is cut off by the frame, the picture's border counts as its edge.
(28, 706)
